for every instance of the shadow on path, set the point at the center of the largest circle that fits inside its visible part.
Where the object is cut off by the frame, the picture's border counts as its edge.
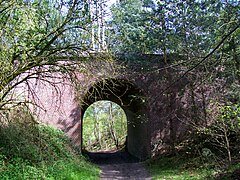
(119, 165)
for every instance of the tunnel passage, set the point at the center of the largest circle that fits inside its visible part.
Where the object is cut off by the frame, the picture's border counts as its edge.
(132, 101)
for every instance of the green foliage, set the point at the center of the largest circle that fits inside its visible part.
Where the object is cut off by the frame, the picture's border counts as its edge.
(104, 126)
(73, 169)
(129, 23)
(230, 115)
(179, 167)
(231, 172)
(189, 28)
(34, 151)
(32, 34)
(220, 138)
(233, 93)
(182, 166)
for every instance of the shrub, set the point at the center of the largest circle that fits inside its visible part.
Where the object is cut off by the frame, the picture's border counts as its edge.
(222, 136)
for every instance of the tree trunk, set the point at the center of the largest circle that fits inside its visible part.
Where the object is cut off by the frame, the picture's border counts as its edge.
(103, 42)
(111, 126)
(92, 26)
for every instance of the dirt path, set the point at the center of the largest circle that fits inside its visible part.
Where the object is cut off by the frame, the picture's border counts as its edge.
(119, 165)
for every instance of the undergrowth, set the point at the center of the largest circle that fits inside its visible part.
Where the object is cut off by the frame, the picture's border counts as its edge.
(194, 159)
(34, 151)
(182, 167)
(210, 151)
(177, 167)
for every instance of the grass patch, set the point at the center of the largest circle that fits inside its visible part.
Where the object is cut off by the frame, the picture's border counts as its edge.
(32, 151)
(231, 172)
(179, 168)
(73, 169)
(182, 167)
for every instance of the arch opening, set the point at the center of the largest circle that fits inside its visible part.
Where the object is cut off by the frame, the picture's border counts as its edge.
(104, 127)
(132, 101)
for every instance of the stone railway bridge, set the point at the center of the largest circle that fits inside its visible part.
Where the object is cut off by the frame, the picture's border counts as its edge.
(157, 110)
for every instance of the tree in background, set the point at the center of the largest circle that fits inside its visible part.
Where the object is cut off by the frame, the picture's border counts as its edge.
(37, 35)
(97, 9)
(104, 126)
(129, 27)
(189, 28)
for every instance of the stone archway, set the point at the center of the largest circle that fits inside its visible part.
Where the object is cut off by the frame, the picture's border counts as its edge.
(131, 100)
